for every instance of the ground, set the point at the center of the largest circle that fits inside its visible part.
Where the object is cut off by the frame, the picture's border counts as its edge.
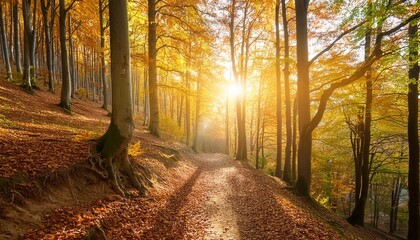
(50, 191)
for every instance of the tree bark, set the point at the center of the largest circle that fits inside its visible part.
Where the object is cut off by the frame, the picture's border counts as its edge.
(279, 95)
(287, 174)
(26, 8)
(303, 183)
(65, 101)
(358, 214)
(413, 136)
(4, 43)
(153, 88)
(113, 146)
(102, 27)
(46, 7)
(17, 37)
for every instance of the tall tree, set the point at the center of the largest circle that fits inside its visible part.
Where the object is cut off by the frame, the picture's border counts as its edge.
(413, 134)
(358, 213)
(16, 36)
(102, 27)
(48, 14)
(4, 43)
(65, 100)
(113, 146)
(279, 94)
(303, 183)
(153, 87)
(286, 72)
(29, 38)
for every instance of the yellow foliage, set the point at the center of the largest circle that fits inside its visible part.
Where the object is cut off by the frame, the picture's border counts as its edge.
(135, 149)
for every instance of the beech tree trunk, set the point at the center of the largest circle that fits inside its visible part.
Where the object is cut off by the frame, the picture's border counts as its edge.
(46, 7)
(153, 88)
(413, 135)
(65, 101)
(26, 8)
(303, 183)
(279, 95)
(4, 43)
(358, 213)
(287, 174)
(113, 146)
(17, 37)
(102, 27)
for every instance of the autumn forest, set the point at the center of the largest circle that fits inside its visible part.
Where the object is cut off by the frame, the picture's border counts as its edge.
(209, 119)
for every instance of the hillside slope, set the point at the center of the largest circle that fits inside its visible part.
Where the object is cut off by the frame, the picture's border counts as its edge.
(49, 190)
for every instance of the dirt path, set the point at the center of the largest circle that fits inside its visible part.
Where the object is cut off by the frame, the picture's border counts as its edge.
(241, 203)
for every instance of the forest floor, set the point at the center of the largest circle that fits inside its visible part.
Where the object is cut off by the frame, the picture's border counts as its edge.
(49, 191)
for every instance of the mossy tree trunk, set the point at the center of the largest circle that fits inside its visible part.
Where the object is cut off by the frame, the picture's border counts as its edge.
(113, 146)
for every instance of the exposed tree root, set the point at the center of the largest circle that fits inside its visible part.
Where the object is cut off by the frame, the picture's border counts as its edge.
(117, 169)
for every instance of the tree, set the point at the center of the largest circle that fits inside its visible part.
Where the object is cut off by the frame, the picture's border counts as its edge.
(303, 183)
(16, 36)
(279, 93)
(65, 100)
(47, 7)
(29, 38)
(102, 27)
(113, 145)
(413, 135)
(358, 213)
(153, 88)
(4, 43)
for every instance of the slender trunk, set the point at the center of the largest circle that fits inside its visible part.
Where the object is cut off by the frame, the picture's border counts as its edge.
(279, 95)
(26, 8)
(17, 37)
(153, 88)
(257, 141)
(358, 214)
(32, 44)
(48, 42)
(294, 140)
(102, 7)
(303, 183)
(197, 112)
(395, 199)
(71, 58)
(287, 151)
(5, 47)
(413, 136)
(65, 100)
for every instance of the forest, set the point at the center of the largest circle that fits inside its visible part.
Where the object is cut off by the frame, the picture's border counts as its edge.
(321, 96)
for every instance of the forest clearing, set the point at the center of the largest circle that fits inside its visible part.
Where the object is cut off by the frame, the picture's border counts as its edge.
(209, 119)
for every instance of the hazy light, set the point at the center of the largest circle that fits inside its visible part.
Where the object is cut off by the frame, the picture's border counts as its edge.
(234, 89)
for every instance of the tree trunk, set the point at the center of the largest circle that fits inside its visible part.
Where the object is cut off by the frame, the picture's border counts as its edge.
(197, 112)
(153, 88)
(358, 214)
(294, 137)
(46, 7)
(17, 37)
(257, 135)
(32, 45)
(102, 7)
(279, 95)
(65, 100)
(413, 135)
(287, 177)
(303, 183)
(395, 199)
(26, 8)
(4, 43)
(113, 146)
(71, 58)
